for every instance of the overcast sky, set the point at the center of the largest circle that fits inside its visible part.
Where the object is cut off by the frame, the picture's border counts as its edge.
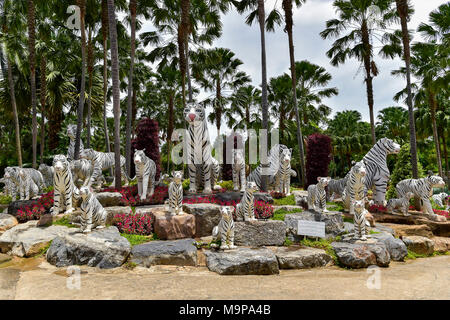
(309, 21)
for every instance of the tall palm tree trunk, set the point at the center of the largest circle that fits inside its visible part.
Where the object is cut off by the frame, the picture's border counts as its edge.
(188, 71)
(263, 154)
(218, 106)
(183, 33)
(82, 5)
(369, 85)
(91, 75)
(130, 85)
(32, 51)
(170, 127)
(287, 6)
(116, 90)
(433, 107)
(15, 115)
(43, 95)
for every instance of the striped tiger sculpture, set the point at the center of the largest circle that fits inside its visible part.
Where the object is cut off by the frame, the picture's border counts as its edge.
(72, 133)
(360, 221)
(335, 188)
(9, 186)
(93, 215)
(203, 168)
(440, 199)
(378, 173)
(175, 200)
(82, 170)
(145, 173)
(245, 210)
(355, 186)
(238, 168)
(421, 188)
(102, 161)
(401, 203)
(47, 174)
(283, 176)
(317, 198)
(64, 188)
(12, 173)
(224, 231)
(27, 187)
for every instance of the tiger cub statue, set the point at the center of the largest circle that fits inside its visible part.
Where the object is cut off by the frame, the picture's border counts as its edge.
(47, 173)
(145, 173)
(245, 210)
(360, 220)
(65, 190)
(176, 193)
(28, 189)
(355, 185)
(238, 167)
(441, 199)
(224, 231)
(401, 203)
(93, 215)
(317, 197)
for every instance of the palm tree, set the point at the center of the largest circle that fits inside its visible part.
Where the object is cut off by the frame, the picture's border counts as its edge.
(361, 18)
(279, 96)
(105, 23)
(393, 124)
(31, 20)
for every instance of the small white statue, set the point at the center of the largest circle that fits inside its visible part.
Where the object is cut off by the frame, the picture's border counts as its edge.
(145, 173)
(283, 176)
(402, 203)
(28, 189)
(360, 220)
(317, 197)
(224, 231)
(440, 199)
(238, 167)
(64, 188)
(245, 210)
(176, 193)
(93, 215)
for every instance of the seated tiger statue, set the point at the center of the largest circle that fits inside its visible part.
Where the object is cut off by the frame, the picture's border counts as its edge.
(175, 200)
(224, 231)
(12, 173)
(28, 188)
(93, 215)
(65, 190)
(283, 176)
(359, 219)
(47, 173)
(145, 173)
(9, 186)
(238, 168)
(440, 199)
(355, 185)
(401, 203)
(245, 210)
(421, 188)
(317, 198)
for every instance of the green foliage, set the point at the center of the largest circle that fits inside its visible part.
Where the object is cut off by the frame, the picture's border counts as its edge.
(402, 170)
(287, 242)
(324, 244)
(64, 221)
(130, 265)
(5, 199)
(186, 184)
(347, 219)
(44, 249)
(136, 239)
(286, 201)
(228, 185)
(48, 189)
(335, 206)
(280, 213)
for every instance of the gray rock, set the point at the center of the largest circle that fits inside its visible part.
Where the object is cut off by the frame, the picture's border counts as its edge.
(74, 217)
(361, 255)
(109, 199)
(207, 216)
(382, 228)
(302, 258)
(175, 252)
(334, 223)
(300, 197)
(418, 244)
(103, 248)
(242, 261)
(259, 233)
(26, 239)
(397, 249)
(7, 221)
(263, 196)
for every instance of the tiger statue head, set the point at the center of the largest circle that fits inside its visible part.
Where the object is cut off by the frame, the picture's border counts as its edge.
(72, 131)
(238, 156)
(359, 169)
(389, 145)
(11, 173)
(88, 154)
(323, 181)
(84, 192)
(227, 213)
(251, 187)
(177, 177)
(139, 156)
(60, 163)
(359, 205)
(436, 181)
(285, 156)
(194, 114)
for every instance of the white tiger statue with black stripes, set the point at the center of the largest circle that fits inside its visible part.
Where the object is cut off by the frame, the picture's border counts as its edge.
(203, 167)
(28, 188)
(224, 231)
(421, 188)
(283, 176)
(12, 173)
(93, 215)
(65, 190)
(72, 133)
(82, 171)
(47, 174)
(175, 201)
(355, 186)
(145, 174)
(245, 210)
(238, 168)
(317, 198)
(336, 187)
(359, 219)
(441, 199)
(401, 203)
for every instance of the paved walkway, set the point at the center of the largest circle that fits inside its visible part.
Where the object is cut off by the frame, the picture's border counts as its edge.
(34, 278)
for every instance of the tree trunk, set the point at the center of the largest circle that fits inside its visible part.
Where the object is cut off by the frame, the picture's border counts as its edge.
(116, 90)
(170, 127)
(43, 95)
(183, 32)
(105, 73)
(433, 107)
(218, 106)
(130, 86)
(91, 75)
(32, 59)
(188, 71)
(16, 117)
(82, 5)
(287, 6)
(133, 113)
(367, 56)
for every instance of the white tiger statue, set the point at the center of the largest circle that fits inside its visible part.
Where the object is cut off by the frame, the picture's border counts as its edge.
(103, 161)
(355, 186)
(440, 199)
(336, 187)
(175, 200)
(377, 170)
(224, 231)
(27, 187)
(245, 210)
(317, 198)
(283, 176)
(72, 133)
(238, 168)
(82, 170)
(421, 188)
(203, 168)
(65, 190)
(9, 185)
(12, 173)
(401, 203)
(145, 173)
(360, 221)
(47, 174)
(93, 215)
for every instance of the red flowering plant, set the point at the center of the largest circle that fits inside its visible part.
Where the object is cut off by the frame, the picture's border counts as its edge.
(441, 213)
(377, 208)
(130, 195)
(36, 209)
(138, 223)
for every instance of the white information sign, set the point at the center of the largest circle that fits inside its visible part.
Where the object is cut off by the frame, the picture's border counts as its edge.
(311, 228)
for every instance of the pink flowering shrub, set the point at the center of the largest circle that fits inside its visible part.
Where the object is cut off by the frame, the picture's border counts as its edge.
(377, 208)
(35, 210)
(441, 213)
(131, 198)
(133, 223)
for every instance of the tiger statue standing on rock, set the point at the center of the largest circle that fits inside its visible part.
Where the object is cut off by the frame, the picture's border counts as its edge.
(238, 167)
(145, 173)
(317, 198)
(441, 199)
(64, 188)
(360, 221)
(402, 203)
(354, 188)
(224, 231)
(175, 201)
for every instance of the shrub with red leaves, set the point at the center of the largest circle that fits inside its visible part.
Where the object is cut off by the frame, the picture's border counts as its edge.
(35, 210)
(318, 157)
(133, 223)
(377, 208)
(130, 195)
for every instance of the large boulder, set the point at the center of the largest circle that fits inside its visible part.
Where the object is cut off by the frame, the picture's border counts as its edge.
(109, 199)
(242, 261)
(334, 223)
(441, 244)
(418, 244)
(301, 197)
(176, 252)
(75, 216)
(16, 205)
(102, 248)
(207, 216)
(302, 258)
(259, 233)
(169, 226)
(26, 239)
(231, 196)
(7, 221)
(396, 247)
(361, 255)
(402, 230)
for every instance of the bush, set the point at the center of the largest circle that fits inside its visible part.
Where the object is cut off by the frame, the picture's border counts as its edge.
(35, 210)
(140, 224)
(5, 199)
(227, 185)
(318, 157)
(130, 195)
(287, 201)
